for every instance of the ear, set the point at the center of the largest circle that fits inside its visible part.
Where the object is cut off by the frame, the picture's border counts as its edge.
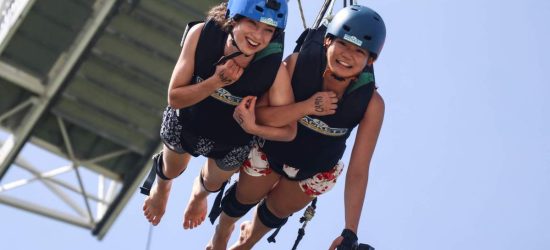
(370, 61)
(327, 42)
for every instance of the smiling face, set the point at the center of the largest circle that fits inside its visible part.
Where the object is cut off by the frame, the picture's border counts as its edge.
(252, 36)
(345, 59)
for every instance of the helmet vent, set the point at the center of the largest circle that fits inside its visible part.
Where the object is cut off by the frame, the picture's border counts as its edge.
(280, 15)
(376, 18)
(260, 9)
(347, 28)
(367, 37)
(355, 9)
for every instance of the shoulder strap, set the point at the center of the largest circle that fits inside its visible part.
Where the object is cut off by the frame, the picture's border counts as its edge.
(363, 79)
(187, 28)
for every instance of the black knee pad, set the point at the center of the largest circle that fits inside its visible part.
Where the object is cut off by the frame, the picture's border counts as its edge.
(231, 206)
(268, 218)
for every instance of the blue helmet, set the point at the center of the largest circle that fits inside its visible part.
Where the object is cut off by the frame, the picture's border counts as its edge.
(361, 26)
(271, 12)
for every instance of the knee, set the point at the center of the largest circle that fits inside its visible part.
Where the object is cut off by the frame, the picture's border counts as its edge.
(174, 163)
(231, 204)
(271, 218)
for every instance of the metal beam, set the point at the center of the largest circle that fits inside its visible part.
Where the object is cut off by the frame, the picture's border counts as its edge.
(21, 78)
(44, 211)
(91, 165)
(55, 189)
(69, 147)
(57, 77)
(17, 108)
(12, 18)
(122, 199)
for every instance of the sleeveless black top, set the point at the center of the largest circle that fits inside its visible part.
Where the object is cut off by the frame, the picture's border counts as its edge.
(212, 118)
(321, 140)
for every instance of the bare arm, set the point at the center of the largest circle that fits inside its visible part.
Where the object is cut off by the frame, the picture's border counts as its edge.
(358, 171)
(357, 175)
(279, 94)
(322, 103)
(181, 93)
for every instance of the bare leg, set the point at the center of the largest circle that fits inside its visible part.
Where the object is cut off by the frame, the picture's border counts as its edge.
(197, 207)
(285, 199)
(250, 190)
(155, 204)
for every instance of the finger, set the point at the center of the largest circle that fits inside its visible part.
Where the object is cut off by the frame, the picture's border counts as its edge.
(334, 99)
(331, 94)
(333, 246)
(252, 103)
(229, 63)
(246, 101)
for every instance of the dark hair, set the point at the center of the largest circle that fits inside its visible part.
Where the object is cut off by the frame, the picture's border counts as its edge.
(218, 14)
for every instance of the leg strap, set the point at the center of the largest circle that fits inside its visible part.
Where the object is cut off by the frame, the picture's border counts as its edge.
(156, 170)
(268, 218)
(231, 206)
(216, 209)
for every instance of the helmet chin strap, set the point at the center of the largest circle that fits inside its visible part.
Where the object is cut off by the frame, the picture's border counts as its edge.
(234, 43)
(336, 77)
(224, 59)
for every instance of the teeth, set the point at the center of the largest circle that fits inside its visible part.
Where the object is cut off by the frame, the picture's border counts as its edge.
(343, 63)
(252, 42)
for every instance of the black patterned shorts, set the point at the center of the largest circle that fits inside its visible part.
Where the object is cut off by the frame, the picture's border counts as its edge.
(180, 140)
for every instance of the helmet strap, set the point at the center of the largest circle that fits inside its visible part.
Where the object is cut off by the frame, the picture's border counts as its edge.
(336, 77)
(234, 43)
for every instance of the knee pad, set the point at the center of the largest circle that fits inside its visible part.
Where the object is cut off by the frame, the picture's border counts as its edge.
(208, 190)
(268, 218)
(231, 206)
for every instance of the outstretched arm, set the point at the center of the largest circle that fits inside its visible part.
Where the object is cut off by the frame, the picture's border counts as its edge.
(358, 171)
(181, 93)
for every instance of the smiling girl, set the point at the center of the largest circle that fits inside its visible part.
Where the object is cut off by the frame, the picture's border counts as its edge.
(234, 57)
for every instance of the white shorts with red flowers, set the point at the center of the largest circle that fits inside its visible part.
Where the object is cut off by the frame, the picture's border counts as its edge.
(257, 165)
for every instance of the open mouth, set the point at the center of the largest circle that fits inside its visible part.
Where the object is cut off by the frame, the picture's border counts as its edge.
(344, 64)
(252, 43)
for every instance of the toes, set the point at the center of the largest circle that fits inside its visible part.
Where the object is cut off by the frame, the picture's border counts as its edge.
(156, 221)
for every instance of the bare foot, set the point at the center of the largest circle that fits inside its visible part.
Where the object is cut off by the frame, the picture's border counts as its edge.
(196, 208)
(245, 234)
(220, 238)
(155, 204)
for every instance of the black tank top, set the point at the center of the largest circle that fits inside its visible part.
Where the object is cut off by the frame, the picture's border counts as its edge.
(212, 118)
(321, 140)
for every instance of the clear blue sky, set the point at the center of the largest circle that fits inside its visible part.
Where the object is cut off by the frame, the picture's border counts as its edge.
(463, 160)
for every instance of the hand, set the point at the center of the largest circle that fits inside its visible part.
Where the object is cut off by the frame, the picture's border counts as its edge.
(228, 73)
(323, 103)
(245, 115)
(336, 243)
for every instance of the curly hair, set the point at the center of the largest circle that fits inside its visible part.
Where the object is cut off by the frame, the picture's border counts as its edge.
(218, 15)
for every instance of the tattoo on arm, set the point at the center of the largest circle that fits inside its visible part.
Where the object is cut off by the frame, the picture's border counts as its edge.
(319, 104)
(225, 79)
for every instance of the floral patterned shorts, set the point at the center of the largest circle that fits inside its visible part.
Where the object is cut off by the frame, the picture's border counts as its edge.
(178, 139)
(257, 165)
